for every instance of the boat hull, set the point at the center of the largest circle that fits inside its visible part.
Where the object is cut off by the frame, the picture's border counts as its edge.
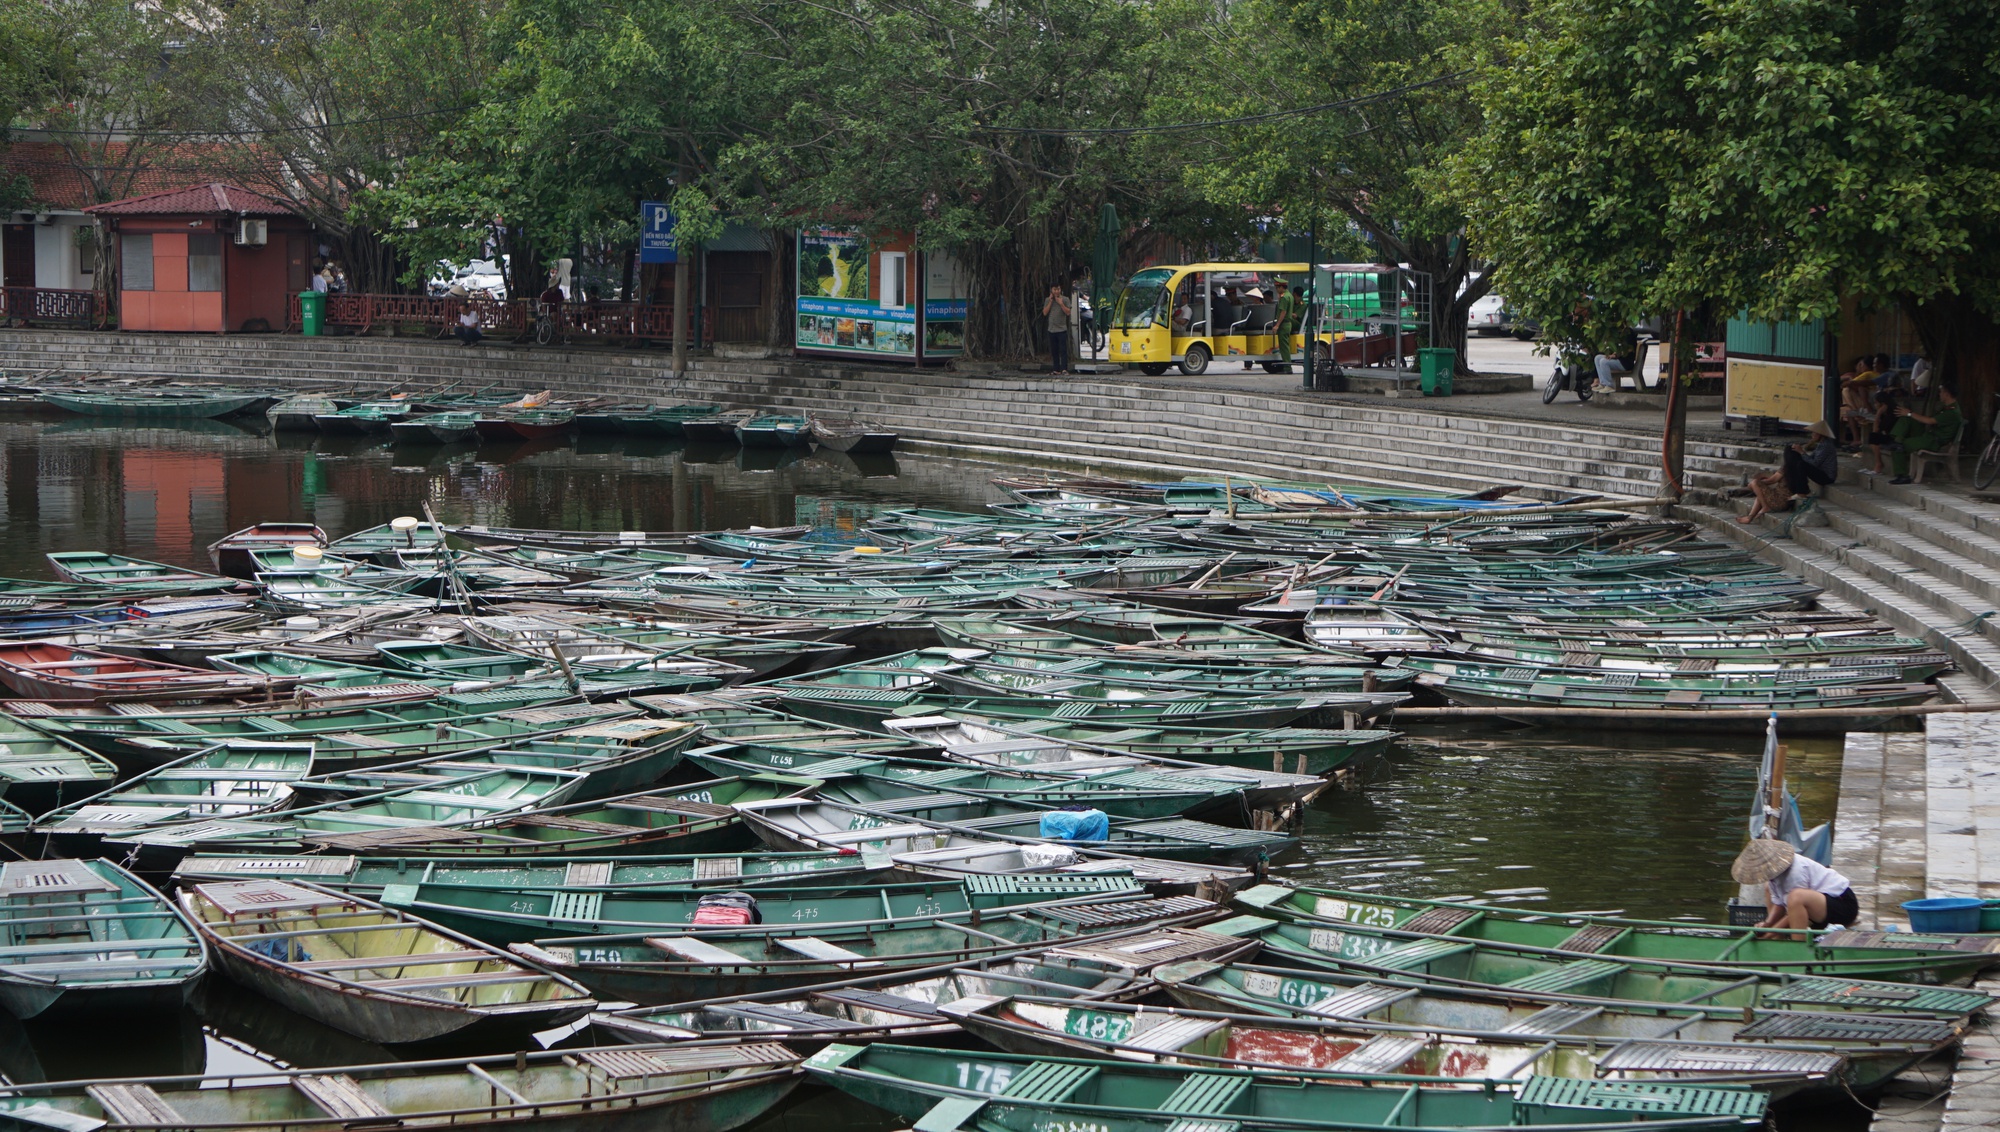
(151, 409)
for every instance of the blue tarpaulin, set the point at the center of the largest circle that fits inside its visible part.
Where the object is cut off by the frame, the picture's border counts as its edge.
(1076, 825)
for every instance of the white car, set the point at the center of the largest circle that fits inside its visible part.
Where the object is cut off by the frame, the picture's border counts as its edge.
(1489, 315)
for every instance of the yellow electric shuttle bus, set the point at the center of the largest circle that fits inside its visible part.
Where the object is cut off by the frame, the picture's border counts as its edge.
(1202, 313)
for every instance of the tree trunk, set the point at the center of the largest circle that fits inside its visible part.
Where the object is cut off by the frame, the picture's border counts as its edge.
(1673, 445)
(779, 319)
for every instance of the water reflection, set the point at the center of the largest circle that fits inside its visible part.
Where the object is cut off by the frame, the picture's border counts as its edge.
(165, 493)
(1570, 820)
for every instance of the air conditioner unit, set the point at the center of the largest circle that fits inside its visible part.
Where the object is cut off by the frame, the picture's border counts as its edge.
(253, 232)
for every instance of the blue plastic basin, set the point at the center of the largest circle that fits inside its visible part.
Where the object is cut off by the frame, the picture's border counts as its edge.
(1945, 915)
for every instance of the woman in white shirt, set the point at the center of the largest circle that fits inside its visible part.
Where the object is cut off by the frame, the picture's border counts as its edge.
(1799, 892)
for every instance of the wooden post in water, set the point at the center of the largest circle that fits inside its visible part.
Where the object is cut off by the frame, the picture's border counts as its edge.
(1774, 806)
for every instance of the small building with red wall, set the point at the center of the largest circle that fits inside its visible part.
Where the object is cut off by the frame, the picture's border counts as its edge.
(217, 258)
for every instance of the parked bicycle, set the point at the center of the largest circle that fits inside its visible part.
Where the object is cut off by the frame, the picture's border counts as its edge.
(545, 323)
(1988, 467)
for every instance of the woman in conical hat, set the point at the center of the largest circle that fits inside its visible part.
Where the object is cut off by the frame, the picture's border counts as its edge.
(1799, 892)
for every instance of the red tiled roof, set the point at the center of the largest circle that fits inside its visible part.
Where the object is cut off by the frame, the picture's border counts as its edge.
(202, 200)
(55, 181)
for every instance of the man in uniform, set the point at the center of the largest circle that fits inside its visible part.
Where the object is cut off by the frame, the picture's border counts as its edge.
(1288, 323)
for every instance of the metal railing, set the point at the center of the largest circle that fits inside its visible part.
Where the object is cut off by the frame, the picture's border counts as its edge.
(48, 306)
(581, 320)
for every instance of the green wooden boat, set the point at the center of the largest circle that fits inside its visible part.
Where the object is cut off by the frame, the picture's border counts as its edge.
(88, 939)
(1352, 949)
(907, 1006)
(1052, 745)
(659, 968)
(370, 875)
(473, 795)
(373, 541)
(848, 815)
(620, 1089)
(1220, 644)
(963, 1091)
(95, 567)
(1915, 659)
(524, 915)
(738, 719)
(458, 662)
(696, 818)
(229, 780)
(1034, 675)
(1690, 1040)
(343, 735)
(367, 418)
(375, 972)
(435, 428)
(1896, 957)
(617, 756)
(1043, 1026)
(155, 405)
(1128, 797)
(774, 430)
(40, 772)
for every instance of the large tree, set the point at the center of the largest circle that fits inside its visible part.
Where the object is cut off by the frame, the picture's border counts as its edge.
(1374, 164)
(1776, 158)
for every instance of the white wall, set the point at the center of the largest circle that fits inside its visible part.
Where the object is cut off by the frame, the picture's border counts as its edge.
(56, 260)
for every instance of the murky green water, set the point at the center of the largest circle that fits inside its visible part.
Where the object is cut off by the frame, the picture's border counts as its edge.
(1633, 821)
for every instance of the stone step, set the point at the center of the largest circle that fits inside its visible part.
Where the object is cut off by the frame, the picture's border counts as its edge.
(1860, 577)
(1953, 551)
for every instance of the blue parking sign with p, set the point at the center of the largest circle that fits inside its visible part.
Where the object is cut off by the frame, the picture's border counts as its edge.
(656, 233)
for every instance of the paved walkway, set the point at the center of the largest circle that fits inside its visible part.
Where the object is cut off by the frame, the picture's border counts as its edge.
(1879, 829)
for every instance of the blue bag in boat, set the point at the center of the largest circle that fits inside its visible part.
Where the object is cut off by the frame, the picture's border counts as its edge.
(1076, 825)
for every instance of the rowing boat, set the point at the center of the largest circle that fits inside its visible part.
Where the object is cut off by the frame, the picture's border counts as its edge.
(89, 938)
(523, 915)
(907, 1006)
(95, 567)
(964, 1091)
(774, 430)
(229, 780)
(372, 971)
(44, 670)
(157, 405)
(619, 1089)
(1352, 949)
(614, 757)
(698, 817)
(1691, 1039)
(299, 414)
(525, 424)
(231, 553)
(40, 772)
(1039, 1025)
(1897, 957)
(365, 419)
(657, 968)
(435, 428)
(1055, 745)
(715, 428)
(370, 875)
(851, 437)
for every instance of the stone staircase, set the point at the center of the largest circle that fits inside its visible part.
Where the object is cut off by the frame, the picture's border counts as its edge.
(1115, 425)
(1924, 558)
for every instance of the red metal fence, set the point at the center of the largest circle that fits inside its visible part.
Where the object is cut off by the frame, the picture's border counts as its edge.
(584, 321)
(46, 306)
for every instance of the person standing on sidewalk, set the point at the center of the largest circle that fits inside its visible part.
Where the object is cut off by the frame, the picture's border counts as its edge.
(1288, 323)
(1056, 310)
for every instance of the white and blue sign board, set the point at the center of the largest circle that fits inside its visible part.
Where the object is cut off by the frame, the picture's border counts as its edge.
(656, 233)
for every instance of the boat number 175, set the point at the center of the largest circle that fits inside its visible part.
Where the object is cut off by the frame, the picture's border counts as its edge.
(983, 1078)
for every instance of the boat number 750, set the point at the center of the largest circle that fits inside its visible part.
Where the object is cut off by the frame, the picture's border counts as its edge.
(983, 1078)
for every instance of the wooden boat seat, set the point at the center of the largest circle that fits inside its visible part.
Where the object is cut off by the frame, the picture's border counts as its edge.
(1593, 939)
(516, 975)
(1568, 976)
(365, 962)
(813, 947)
(1048, 1082)
(1175, 1034)
(135, 1104)
(678, 806)
(1419, 954)
(625, 1064)
(879, 833)
(1206, 1094)
(1360, 1001)
(698, 951)
(879, 1001)
(1384, 1053)
(1554, 1019)
(718, 868)
(341, 1096)
(575, 825)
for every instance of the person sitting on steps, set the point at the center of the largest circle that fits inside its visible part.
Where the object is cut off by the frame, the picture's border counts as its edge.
(1915, 432)
(1801, 467)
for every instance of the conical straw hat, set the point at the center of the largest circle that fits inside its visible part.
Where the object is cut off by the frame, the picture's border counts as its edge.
(1762, 860)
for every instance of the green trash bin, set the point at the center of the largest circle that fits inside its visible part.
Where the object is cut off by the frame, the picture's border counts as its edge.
(1436, 365)
(312, 314)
